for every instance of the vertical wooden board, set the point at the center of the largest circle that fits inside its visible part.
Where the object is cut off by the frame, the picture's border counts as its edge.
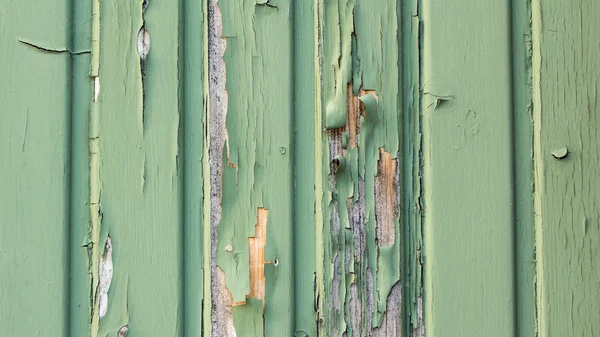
(304, 168)
(467, 177)
(360, 75)
(34, 174)
(193, 129)
(566, 128)
(257, 171)
(526, 316)
(137, 127)
(412, 141)
(80, 308)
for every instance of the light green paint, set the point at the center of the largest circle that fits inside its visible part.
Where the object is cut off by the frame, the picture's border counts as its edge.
(193, 66)
(38, 204)
(257, 161)
(305, 162)
(565, 109)
(78, 169)
(80, 248)
(468, 160)
(140, 169)
(524, 249)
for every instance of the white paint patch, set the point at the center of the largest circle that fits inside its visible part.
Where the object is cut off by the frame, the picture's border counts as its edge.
(96, 87)
(105, 274)
(143, 43)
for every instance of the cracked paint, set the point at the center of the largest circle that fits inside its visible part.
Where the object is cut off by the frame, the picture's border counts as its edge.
(53, 50)
(361, 219)
(105, 275)
(256, 173)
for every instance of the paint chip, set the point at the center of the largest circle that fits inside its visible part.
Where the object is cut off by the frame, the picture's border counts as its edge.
(560, 153)
(438, 100)
(123, 331)
(105, 274)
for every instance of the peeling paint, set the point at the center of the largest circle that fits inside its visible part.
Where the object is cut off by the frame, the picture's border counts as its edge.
(123, 331)
(52, 50)
(96, 212)
(105, 275)
(222, 316)
(386, 189)
(361, 225)
(560, 153)
(257, 163)
(418, 328)
(96, 87)
(221, 320)
(143, 43)
(256, 246)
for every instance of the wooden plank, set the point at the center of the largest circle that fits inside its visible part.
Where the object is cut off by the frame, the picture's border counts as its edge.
(566, 128)
(35, 132)
(304, 167)
(412, 178)
(526, 316)
(257, 163)
(136, 171)
(359, 177)
(467, 168)
(192, 67)
(80, 308)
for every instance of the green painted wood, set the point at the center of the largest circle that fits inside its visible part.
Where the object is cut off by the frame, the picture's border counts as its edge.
(80, 291)
(398, 158)
(362, 73)
(360, 254)
(566, 134)
(192, 67)
(257, 163)
(524, 249)
(305, 259)
(35, 190)
(467, 169)
(412, 179)
(137, 172)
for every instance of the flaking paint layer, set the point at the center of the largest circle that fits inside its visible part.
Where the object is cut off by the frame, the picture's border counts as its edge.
(361, 218)
(257, 171)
